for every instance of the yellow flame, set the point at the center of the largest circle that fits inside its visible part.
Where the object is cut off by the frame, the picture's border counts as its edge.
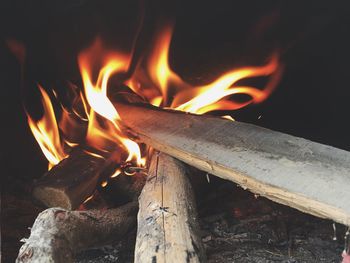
(202, 99)
(228, 117)
(96, 95)
(116, 173)
(157, 83)
(210, 94)
(71, 144)
(159, 68)
(156, 101)
(46, 132)
(94, 154)
(88, 199)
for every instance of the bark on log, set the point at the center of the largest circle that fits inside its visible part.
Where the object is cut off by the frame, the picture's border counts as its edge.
(308, 176)
(167, 219)
(57, 234)
(72, 181)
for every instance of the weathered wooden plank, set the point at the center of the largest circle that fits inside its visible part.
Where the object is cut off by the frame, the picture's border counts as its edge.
(308, 176)
(167, 219)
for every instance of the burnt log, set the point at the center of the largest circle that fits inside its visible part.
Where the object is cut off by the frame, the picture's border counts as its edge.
(58, 234)
(72, 181)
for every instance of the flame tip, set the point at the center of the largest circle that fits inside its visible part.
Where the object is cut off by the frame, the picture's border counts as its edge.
(158, 83)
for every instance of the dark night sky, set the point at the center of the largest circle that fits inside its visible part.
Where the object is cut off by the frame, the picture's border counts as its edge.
(311, 101)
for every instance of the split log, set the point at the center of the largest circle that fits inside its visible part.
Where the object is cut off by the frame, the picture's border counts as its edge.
(72, 181)
(308, 176)
(58, 234)
(167, 219)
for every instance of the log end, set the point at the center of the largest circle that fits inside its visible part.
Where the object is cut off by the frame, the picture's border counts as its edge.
(46, 246)
(52, 197)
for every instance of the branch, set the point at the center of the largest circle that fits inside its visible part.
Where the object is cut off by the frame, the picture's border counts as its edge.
(167, 219)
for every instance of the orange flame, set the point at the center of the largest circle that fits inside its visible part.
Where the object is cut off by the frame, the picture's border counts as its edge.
(96, 95)
(159, 68)
(202, 99)
(157, 83)
(46, 132)
(209, 97)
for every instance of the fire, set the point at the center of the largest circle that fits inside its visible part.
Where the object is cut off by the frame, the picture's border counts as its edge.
(205, 98)
(159, 68)
(46, 132)
(155, 81)
(96, 95)
(209, 97)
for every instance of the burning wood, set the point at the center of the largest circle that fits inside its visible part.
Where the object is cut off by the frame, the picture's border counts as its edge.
(72, 181)
(94, 110)
(57, 234)
(305, 175)
(167, 220)
(293, 171)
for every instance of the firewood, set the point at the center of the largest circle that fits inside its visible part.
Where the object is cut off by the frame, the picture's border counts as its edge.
(167, 219)
(58, 234)
(72, 181)
(308, 176)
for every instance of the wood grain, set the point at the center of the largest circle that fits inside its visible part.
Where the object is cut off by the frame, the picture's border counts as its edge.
(308, 176)
(167, 219)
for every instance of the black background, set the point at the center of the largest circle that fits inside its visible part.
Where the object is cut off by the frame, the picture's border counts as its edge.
(313, 38)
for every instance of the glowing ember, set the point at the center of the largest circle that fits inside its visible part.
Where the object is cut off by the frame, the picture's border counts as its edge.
(104, 131)
(116, 173)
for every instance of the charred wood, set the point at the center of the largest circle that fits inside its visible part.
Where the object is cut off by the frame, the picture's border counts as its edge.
(72, 181)
(57, 234)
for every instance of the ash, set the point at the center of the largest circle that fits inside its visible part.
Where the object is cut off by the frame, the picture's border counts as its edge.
(240, 227)
(120, 252)
(236, 226)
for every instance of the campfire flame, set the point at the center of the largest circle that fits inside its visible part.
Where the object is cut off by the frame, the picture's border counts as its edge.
(46, 132)
(157, 83)
(159, 68)
(96, 95)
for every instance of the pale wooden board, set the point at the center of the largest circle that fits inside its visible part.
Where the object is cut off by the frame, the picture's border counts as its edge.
(308, 176)
(167, 220)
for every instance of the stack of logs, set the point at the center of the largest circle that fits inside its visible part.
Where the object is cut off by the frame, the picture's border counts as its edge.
(308, 176)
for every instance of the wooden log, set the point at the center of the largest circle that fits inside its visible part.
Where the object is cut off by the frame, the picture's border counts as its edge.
(72, 181)
(167, 219)
(58, 234)
(308, 176)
